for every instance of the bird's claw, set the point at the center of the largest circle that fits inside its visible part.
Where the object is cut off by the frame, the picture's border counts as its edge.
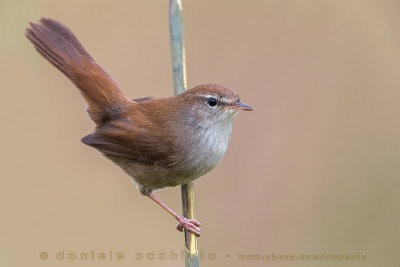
(191, 225)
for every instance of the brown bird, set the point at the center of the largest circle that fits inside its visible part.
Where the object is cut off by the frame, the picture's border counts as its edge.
(159, 141)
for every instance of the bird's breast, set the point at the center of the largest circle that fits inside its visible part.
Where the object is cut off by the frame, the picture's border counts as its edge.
(196, 152)
(206, 149)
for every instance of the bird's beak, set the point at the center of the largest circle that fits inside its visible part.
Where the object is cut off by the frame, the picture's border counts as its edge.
(240, 106)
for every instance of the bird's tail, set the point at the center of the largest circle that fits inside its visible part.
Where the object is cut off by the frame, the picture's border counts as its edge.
(60, 47)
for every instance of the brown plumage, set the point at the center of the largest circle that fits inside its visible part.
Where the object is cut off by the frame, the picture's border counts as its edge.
(60, 47)
(158, 141)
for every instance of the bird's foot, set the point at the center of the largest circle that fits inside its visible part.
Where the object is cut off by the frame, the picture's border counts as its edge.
(191, 225)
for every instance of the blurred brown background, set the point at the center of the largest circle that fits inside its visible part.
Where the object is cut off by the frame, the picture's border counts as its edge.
(315, 169)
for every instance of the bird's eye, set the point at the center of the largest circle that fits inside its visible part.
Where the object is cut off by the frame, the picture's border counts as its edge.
(212, 102)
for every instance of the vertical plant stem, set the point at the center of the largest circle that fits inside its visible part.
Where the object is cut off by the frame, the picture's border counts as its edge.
(177, 46)
(179, 77)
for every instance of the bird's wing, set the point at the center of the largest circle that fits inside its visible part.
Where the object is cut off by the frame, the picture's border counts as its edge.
(124, 139)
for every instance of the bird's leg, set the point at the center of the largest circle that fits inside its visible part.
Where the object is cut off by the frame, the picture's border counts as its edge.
(191, 225)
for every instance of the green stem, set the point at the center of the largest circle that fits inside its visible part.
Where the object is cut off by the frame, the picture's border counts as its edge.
(179, 77)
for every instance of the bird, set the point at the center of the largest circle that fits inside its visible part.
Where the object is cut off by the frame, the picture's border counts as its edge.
(158, 141)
